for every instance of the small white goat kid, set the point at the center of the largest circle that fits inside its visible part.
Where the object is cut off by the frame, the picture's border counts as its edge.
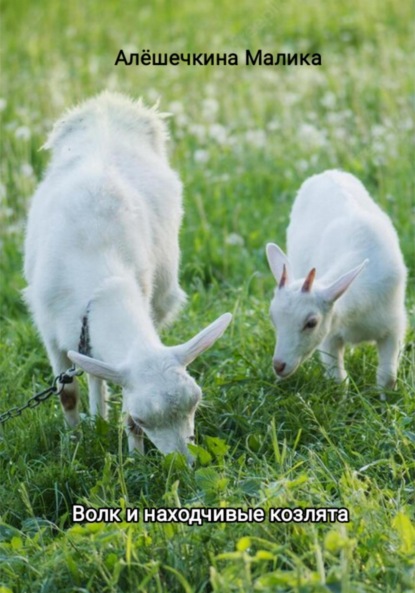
(338, 232)
(102, 244)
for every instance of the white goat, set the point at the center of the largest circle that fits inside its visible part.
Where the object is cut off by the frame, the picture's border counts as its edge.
(102, 244)
(336, 229)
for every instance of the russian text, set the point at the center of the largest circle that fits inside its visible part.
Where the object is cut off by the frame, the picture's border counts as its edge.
(146, 58)
(308, 515)
(201, 515)
(281, 59)
(258, 58)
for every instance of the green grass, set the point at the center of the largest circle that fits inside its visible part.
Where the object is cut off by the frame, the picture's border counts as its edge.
(243, 140)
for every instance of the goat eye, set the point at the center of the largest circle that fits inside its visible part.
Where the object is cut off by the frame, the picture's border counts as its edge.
(311, 323)
(191, 438)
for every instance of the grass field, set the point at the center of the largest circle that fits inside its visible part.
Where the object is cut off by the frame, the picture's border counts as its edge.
(243, 139)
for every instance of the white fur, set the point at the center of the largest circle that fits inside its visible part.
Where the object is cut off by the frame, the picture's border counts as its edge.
(103, 231)
(359, 290)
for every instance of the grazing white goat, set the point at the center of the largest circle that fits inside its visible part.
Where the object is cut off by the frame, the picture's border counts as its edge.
(342, 281)
(102, 245)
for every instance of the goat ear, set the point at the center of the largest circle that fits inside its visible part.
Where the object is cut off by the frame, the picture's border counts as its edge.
(96, 367)
(334, 291)
(278, 263)
(187, 352)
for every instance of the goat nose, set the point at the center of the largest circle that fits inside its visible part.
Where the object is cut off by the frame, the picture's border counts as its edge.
(279, 366)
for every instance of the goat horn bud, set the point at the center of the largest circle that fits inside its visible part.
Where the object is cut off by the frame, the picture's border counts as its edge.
(308, 282)
(284, 277)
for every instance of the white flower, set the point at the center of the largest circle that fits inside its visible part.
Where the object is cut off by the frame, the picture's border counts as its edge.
(273, 125)
(210, 89)
(23, 133)
(219, 133)
(181, 120)
(311, 136)
(176, 107)
(6, 212)
(15, 229)
(153, 95)
(197, 130)
(93, 65)
(26, 170)
(329, 100)
(256, 138)
(235, 239)
(201, 156)
(341, 134)
(3, 104)
(210, 108)
(378, 131)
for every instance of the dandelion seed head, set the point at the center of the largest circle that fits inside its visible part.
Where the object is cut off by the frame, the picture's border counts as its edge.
(201, 156)
(235, 239)
(22, 133)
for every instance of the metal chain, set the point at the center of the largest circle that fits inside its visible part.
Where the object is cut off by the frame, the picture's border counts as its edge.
(60, 381)
(56, 388)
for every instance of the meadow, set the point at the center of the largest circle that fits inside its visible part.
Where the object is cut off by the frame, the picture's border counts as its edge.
(243, 138)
